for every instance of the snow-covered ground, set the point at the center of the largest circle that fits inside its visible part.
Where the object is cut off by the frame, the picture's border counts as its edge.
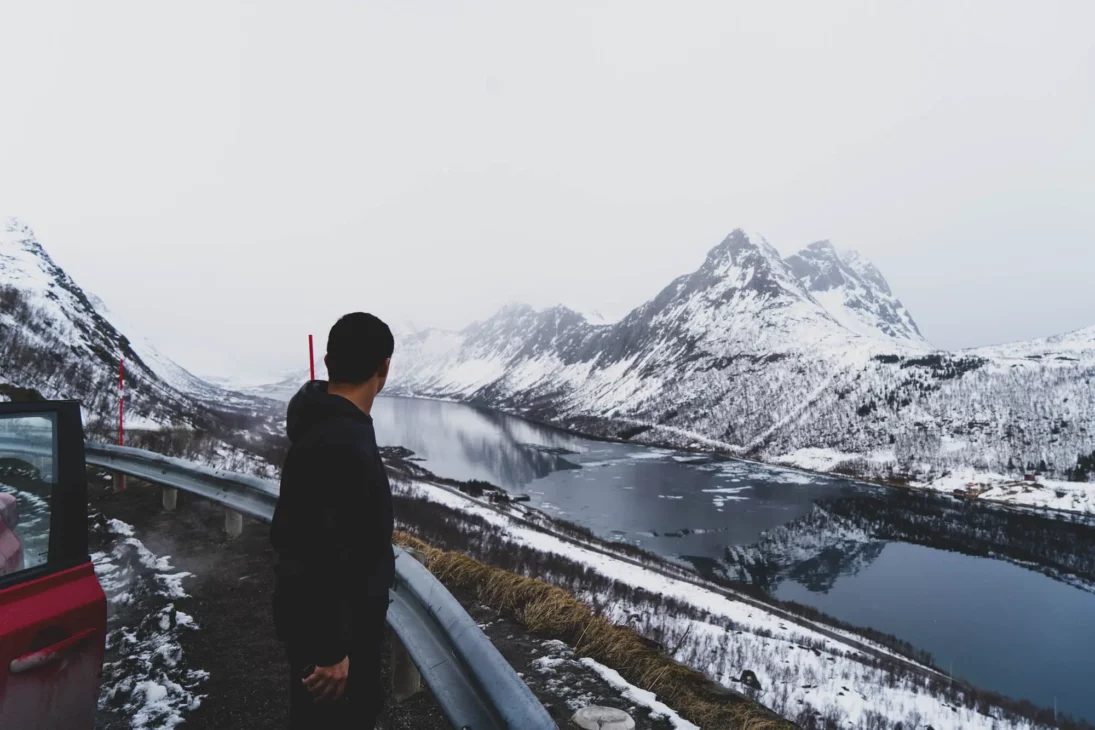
(1041, 493)
(560, 658)
(800, 670)
(145, 677)
(649, 700)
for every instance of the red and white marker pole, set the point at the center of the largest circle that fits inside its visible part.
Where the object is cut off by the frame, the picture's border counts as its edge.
(311, 358)
(121, 416)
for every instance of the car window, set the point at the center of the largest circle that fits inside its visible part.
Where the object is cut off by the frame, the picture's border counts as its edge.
(28, 475)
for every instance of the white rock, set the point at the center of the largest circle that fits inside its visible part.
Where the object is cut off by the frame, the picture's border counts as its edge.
(601, 718)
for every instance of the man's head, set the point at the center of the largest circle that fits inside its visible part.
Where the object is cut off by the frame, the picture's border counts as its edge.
(359, 352)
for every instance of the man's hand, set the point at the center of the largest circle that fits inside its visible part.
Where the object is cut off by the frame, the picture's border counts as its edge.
(327, 684)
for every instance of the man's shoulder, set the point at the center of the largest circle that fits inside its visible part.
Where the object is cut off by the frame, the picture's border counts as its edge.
(339, 436)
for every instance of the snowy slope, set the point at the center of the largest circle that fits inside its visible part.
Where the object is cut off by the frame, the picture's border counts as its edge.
(854, 293)
(812, 361)
(167, 369)
(1060, 350)
(56, 341)
(595, 317)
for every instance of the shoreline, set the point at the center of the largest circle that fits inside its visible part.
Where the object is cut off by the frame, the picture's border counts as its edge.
(947, 491)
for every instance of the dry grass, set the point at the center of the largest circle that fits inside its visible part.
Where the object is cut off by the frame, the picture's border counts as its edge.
(554, 613)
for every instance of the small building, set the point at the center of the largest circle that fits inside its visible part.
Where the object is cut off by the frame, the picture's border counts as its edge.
(1028, 478)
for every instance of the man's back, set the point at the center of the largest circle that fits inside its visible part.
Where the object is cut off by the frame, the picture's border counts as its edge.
(332, 531)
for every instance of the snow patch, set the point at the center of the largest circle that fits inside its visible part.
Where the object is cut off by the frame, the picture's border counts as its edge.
(145, 676)
(642, 697)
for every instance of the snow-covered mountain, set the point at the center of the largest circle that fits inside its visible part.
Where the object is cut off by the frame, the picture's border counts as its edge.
(167, 369)
(596, 318)
(810, 361)
(56, 341)
(854, 293)
(283, 387)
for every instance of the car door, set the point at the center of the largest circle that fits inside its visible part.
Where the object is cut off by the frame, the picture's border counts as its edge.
(52, 608)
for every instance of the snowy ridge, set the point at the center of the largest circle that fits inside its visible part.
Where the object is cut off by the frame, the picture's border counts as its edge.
(167, 369)
(778, 360)
(596, 318)
(1078, 346)
(854, 293)
(57, 341)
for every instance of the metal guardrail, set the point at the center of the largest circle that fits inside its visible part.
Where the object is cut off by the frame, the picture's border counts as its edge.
(474, 685)
(248, 495)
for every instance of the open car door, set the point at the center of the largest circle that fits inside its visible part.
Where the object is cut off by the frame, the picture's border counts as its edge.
(52, 608)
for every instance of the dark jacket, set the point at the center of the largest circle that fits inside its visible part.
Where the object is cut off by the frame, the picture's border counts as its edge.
(332, 528)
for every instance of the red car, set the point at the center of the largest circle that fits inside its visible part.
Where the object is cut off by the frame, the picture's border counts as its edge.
(52, 608)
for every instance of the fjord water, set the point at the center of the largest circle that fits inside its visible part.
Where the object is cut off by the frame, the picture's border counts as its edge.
(1021, 622)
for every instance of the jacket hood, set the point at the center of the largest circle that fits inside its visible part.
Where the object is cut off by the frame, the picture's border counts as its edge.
(313, 405)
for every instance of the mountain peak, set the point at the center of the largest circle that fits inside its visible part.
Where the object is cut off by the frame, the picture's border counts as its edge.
(25, 264)
(747, 261)
(866, 269)
(18, 242)
(819, 267)
(514, 309)
(854, 292)
(16, 234)
(824, 247)
(597, 318)
(515, 318)
(738, 244)
(13, 225)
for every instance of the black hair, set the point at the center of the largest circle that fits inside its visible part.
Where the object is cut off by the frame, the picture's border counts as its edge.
(357, 347)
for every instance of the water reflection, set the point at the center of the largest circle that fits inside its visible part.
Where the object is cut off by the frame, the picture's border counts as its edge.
(913, 565)
(996, 624)
(464, 442)
(839, 537)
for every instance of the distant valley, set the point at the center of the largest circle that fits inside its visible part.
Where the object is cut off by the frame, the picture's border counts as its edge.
(809, 361)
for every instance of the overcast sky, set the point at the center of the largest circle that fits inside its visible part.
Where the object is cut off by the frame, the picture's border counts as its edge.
(230, 176)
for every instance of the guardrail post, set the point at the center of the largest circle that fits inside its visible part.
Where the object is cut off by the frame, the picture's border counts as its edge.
(601, 718)
(406, 679)
(233, 523)
(170, 498)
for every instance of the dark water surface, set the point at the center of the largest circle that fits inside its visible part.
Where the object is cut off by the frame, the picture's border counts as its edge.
(1004, 598)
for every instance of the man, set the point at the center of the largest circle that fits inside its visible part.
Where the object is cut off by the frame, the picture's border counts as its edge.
(332, 532)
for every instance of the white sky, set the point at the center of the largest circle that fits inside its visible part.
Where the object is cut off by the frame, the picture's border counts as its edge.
(231, 176)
